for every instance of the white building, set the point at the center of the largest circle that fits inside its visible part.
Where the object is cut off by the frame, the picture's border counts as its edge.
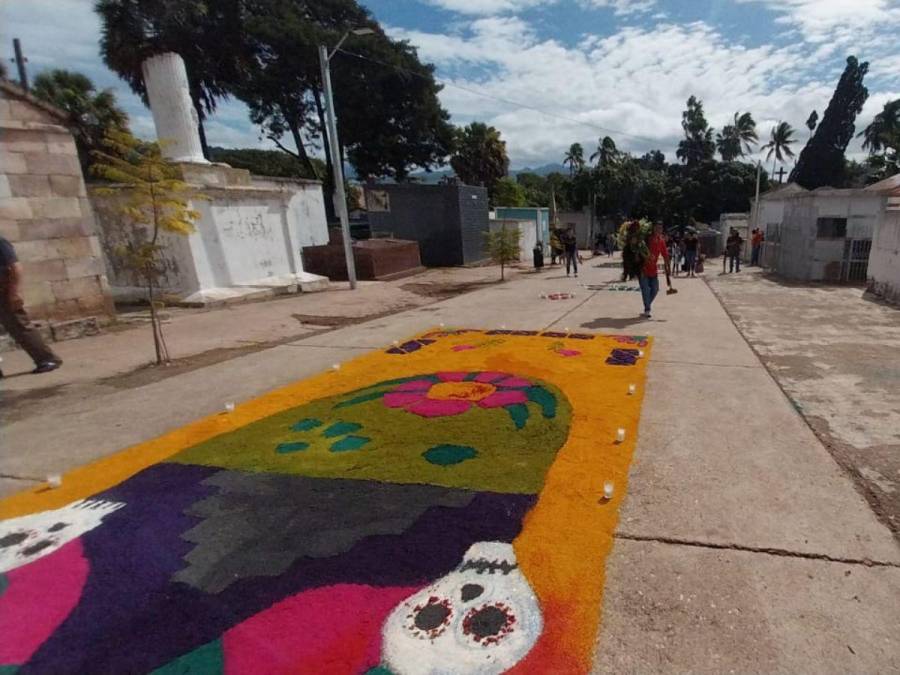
(884, 259)
(819, 235)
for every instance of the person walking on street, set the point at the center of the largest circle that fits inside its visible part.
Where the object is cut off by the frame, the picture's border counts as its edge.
(649, 279)
(691, 251)
(570, 247)
(733, 251)
(13, 316)
(610, 244)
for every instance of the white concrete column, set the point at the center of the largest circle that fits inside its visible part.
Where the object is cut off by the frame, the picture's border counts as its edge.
(173, 111)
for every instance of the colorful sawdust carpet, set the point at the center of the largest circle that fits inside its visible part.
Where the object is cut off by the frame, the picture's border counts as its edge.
(433, 507)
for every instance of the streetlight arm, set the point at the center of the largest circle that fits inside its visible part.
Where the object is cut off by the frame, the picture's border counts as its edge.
(338, 45)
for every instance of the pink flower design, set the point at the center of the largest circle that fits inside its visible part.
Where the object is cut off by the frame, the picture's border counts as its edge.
(453, 393)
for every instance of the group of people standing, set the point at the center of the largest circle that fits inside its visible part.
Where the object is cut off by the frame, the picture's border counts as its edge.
(685, 252)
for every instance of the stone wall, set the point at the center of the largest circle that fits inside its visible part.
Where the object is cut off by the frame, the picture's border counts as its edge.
(45, 213)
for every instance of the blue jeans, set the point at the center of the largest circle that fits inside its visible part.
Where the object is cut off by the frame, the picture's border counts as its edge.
(734, 260)
(649, 290)
(690, 259)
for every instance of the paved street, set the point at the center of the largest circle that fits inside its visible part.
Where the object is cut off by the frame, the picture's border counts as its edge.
(742, 545)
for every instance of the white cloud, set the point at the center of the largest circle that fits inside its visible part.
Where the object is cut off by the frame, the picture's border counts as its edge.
(634, 82)
(837, 21)
(488, 7)
(622, 7)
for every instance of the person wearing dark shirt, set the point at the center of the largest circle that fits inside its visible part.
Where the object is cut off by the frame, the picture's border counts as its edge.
(733, 250)
(13, 316)
(570, 248)
(691, 250)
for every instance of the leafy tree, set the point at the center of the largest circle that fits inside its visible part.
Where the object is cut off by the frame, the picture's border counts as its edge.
(156, 199)
(574, 158)
(503, 246)
(697, 144)
(821, 162)
(728, 143)
(480, 157)
(780, 143)
(92, 114)
(812, 121)
(207, 35)
(654, 160)
(884, 131)
(508, 192)
(266, 162)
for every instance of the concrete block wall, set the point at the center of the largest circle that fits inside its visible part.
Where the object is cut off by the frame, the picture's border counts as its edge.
(45, 213)
(884, 259)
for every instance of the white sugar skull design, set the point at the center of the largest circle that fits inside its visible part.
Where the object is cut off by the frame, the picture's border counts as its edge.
(27, 538)
(481, 618)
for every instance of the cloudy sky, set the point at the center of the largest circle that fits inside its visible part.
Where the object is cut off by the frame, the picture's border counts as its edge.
(551, 72)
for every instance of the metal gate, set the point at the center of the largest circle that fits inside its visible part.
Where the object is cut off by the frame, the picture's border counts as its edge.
(856, 260)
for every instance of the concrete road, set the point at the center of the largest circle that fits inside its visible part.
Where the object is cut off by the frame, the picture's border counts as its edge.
(742, 545)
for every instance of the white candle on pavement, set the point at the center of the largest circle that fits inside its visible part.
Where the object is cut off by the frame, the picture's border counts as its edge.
(631, 389)
(620, 435)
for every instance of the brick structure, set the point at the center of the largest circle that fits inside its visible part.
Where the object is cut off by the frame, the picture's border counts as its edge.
(45, 213)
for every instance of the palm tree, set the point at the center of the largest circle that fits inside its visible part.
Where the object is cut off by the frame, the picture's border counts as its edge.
(884, 131)
(92, 114)
(574, 158)
(728, 143)
(606, 151)
(780, 143)
(745, 130)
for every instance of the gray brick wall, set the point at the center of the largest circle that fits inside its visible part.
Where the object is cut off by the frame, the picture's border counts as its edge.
(444, 219)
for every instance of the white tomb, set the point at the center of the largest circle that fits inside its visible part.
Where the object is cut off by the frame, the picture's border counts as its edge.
(252, 229)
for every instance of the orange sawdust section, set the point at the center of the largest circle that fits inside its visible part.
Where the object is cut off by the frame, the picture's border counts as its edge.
(565, 538)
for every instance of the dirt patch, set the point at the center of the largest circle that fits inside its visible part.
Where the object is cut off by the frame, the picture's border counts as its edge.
(446, 290)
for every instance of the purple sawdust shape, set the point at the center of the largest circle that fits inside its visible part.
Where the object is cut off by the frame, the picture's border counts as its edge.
(133, 617)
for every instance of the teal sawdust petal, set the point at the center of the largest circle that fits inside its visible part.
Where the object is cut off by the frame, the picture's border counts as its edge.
(448, 455)
(543, 398)
(306, 424)
(4, 584)
(518, 412)
(288, 448)
(349, 443)
(471, 377)
(205, 660)
(341, 429)
(379, 670)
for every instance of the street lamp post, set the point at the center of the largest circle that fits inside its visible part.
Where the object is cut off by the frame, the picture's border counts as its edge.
(340, 198)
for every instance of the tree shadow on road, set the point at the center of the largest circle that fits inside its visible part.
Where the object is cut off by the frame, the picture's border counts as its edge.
(619, 324)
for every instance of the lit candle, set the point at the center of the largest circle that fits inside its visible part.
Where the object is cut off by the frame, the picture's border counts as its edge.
(640, 353)
(608, 488)
(336, 366)
(54, 480)
(620, 435)
(631, 389)
(229, 407)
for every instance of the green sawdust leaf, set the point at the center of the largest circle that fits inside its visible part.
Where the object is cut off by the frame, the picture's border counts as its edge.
(519, 414)
(205, 660)
(341, 429)
(349, 443)
(543, 398)
(371, 396)
(447, 455)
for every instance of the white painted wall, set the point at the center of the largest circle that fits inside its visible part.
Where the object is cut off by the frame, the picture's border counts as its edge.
(527, 238)
(884, 260)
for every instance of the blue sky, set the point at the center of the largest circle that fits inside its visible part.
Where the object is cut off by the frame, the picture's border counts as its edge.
(617, 67)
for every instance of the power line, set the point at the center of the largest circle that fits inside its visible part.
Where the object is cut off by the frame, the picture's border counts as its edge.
(500, 99)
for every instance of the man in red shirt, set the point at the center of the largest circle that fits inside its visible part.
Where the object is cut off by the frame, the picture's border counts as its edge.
(649, 280)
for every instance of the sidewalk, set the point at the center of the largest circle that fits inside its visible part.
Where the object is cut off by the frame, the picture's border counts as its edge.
(741, 546)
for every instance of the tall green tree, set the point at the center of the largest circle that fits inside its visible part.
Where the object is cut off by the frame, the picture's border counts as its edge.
(480, 157)
(697, 144)
(508, 192)
(884, 131)
(780, 142)
(92, 114)
(821, 162)
(606, 152)
(574, 158)
(207, 35)
(812, 121)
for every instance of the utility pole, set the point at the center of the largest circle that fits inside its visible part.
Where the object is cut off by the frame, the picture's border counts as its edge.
(340, 198)
(20, 61)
